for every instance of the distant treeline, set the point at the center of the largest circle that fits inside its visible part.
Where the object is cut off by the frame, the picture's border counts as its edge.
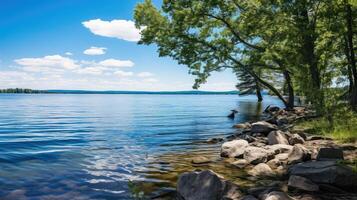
(192, 92)
(22, 90)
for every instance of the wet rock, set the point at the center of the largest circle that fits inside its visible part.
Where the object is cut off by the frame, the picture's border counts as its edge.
(299, 154)
(214, 140)
(233, 148)
(296, 139)
(231, 137)
(329, 154)
(326, 172)
(301, 183)
(280, 148)
(205, 185)
(277, 137)
(200, 160)
(261, 169)
(256, 155)
(241, 163)
(262, 127)
(248, 138)
(232, 114)
(275, 195)
(271, 109)
(242, 126)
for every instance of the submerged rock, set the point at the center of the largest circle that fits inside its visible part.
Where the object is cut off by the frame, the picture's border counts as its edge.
(241, 163)
(261, 169)
(301, 183)
(262, 127)
(326, 172)
(233, 148)
(200, 160)
(242, 126)
(329, 154)
(277, 137)
(206, 185)
(214, 140)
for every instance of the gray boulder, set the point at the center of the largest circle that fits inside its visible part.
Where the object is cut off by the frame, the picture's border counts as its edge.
(205, 185)
(256, 155)
(326, 172)
(296, 139)
(329, 154)
(233, 148)
(262, 127)
(301, 183)
(299, 154)
(277, 137)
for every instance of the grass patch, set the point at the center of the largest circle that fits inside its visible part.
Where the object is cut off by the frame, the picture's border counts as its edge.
(341, 126)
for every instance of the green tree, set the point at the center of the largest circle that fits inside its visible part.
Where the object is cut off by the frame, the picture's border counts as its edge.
(204, 36)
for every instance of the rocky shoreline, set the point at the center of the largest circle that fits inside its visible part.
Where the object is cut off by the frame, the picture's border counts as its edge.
(298, 165)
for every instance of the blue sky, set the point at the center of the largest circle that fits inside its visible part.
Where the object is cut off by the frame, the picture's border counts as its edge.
(85, 44)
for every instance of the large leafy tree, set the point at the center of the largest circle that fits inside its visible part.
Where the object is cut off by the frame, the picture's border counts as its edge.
(209, 36)
(307, 43)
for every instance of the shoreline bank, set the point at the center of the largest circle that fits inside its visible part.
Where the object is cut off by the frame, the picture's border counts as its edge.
(283, 162)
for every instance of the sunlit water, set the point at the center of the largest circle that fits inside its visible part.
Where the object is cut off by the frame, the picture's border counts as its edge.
(55, 146)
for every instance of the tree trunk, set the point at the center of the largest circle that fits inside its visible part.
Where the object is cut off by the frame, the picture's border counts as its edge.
(349, 68)
(307, 29)
(258, 92)
(270, 87)
(290, 90)
(352, 59)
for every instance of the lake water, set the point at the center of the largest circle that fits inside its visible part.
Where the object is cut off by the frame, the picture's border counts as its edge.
(63, 146)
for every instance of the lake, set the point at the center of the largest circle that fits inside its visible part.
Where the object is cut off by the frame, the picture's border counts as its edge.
(88, 146)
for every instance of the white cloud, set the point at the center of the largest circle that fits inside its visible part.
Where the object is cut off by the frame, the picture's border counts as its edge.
(91, 70)
(52, 61)
(151, 80)
(121, 29)
(145, 74)
(116, 63)
(68, 54)
(123, 74)
(93, 51)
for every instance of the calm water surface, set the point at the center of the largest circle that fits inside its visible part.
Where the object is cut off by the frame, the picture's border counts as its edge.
(55, 146)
